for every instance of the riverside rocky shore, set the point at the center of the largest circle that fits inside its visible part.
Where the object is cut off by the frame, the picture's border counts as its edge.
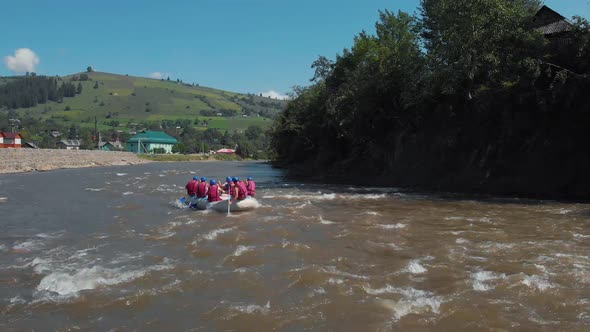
(28, 160)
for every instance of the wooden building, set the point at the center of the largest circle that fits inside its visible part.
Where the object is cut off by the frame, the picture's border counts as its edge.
(69, 144)
(554, 26)
(10, 140)
(111, 146)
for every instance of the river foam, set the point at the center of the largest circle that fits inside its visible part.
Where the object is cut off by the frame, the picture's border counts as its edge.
(71, 283)
(252, 308)
(483, 280)
(412, 301)
(215, 233)
(414, 267)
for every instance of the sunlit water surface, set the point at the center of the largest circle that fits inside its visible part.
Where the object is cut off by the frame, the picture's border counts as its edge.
(109, 249)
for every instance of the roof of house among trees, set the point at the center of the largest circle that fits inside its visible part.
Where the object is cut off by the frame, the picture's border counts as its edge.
(10, 135)
(153, 137)
(70, 142)
(549, 22)
(115, 144)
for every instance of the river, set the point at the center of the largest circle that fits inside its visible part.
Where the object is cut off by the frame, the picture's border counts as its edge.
(109, 249)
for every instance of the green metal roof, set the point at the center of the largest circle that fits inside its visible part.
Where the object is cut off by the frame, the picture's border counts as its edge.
(153, 137)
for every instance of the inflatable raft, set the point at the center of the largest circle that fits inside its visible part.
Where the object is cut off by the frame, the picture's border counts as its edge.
(250, 203)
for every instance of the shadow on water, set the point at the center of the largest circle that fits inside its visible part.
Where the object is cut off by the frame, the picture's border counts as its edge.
(354, 187)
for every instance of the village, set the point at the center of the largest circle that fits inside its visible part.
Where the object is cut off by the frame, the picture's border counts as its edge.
(144, 142)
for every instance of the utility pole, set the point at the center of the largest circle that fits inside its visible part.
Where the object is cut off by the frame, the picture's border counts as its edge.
(14, 124)
(96, 131)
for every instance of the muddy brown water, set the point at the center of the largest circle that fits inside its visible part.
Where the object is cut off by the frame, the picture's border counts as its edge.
(109, 249)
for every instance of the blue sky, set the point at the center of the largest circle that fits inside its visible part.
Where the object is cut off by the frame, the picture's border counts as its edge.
(237, 45)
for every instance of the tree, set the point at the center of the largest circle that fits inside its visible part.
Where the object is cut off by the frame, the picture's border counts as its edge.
(253, 132)
(96, 85)
(179, 148)
(356, 101)
(89, 69)
(245, 150)
(323, 67)
(226, 140)
(471, 43)
(79, 88)
(73, 132)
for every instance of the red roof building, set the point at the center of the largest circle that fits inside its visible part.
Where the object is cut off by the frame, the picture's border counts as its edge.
(226, 151)
(10, 140)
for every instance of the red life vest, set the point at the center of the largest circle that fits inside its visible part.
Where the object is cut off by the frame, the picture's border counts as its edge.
(242, 190)
(213, 195)
(191, 188)
(251, 188)
(202, 190)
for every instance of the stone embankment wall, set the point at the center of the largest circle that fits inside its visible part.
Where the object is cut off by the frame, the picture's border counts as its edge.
(27, 160)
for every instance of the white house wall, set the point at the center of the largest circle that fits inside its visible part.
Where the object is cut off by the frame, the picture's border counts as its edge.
(132, 147)
(166, 147)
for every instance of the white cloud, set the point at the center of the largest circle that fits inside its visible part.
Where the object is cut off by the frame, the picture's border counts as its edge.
(23, 60)
(159, 75)
(275, 95)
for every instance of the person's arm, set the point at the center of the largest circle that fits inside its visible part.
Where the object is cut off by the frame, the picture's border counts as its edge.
(236, 192)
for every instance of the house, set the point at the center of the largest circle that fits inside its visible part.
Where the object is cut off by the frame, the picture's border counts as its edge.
(69, 144)
(111, 146)
(55, 134)
(10, 140)
(226, 151)
(30, 145)
(147, 141)
(554, 26)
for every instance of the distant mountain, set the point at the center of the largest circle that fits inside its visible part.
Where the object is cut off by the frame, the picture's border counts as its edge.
(123, 101)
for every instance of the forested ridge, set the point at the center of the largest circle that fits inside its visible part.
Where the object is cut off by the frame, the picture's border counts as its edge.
(32, 90)
(468, 96)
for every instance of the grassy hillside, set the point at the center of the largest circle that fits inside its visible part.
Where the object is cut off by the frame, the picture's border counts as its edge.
(132, 100)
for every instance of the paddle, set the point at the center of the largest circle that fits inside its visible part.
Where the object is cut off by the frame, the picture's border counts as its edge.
(229, 200)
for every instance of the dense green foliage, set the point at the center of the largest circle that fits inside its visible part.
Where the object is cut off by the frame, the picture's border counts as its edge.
(349, 111)
(433, 93)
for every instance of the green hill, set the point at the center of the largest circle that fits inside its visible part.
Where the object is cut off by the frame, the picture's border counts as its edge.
(125, 103)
